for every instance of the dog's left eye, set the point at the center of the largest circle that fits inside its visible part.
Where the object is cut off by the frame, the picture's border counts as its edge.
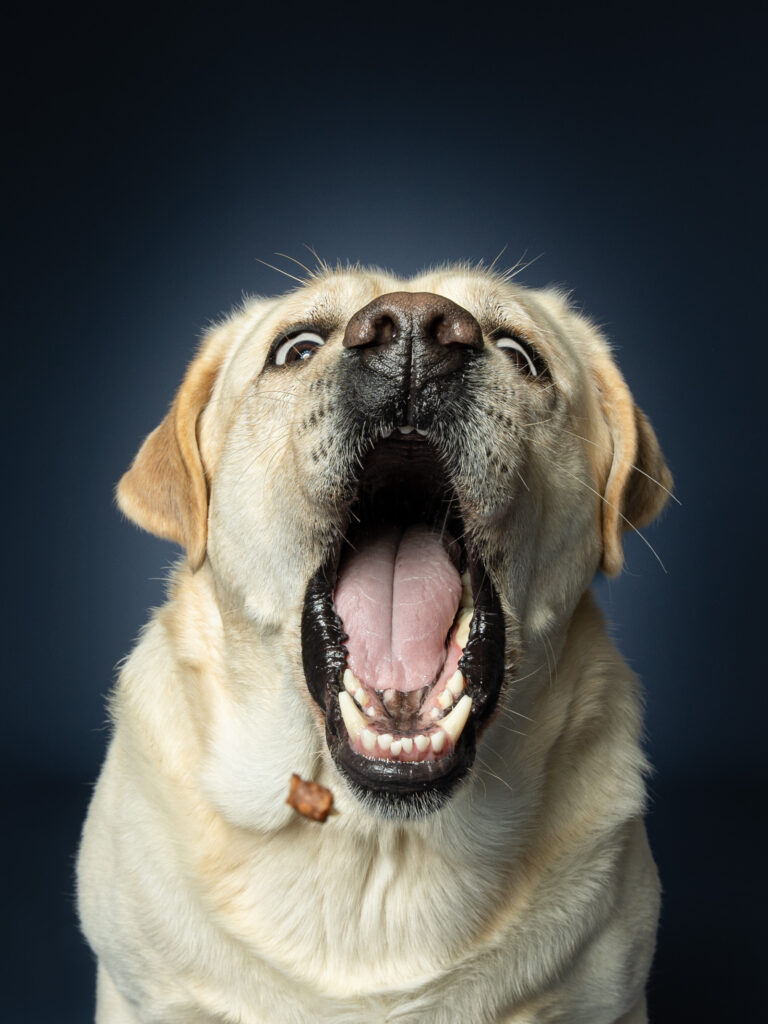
(520, 353)
(297, 347)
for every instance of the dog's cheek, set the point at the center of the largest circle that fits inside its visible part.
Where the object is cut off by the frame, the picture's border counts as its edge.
(563, 542)
(263, 545)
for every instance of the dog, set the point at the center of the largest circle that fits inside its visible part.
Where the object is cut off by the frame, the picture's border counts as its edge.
(392, 496)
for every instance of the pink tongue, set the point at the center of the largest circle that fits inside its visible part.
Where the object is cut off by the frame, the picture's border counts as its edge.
(397, 596)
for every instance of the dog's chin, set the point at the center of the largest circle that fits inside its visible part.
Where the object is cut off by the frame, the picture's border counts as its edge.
(403, 748)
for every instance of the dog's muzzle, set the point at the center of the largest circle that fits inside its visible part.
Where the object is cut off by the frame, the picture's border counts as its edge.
(402, 632)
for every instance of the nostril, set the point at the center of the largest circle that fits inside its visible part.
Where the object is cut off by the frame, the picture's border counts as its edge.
(385, 330)
(372, 328)
(454, 329)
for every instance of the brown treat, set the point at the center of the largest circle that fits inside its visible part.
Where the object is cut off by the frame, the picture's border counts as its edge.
(310, 799)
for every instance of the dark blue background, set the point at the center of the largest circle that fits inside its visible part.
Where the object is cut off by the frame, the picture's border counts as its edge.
(155, 158)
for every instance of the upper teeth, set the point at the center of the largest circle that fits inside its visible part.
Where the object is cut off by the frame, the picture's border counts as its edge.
(454, 723)
(350, 712)
(407, 428)
(462, 629)
(456, 683)
(467, 601)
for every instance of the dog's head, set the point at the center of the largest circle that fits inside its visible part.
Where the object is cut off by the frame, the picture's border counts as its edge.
(416, 478)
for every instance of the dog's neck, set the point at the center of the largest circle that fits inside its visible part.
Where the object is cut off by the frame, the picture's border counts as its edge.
(256, 725)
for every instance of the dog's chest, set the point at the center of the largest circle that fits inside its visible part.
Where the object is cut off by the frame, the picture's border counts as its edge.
(353, 916)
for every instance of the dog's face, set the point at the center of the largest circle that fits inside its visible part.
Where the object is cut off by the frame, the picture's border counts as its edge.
(410, 484)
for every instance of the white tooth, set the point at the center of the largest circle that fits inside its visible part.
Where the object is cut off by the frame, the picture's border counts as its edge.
(421, 741)
(446, 698)
(456, 683)
(407, 742)
(405, 430)
(462, 633)
(434, 714)
(420, 430)
(438, 741)
(455, 722)
(362, 697)
(368, 737)
(353, 720)
(385, 740)
(351, 682)
(390, 696)
(370, 711)
(397, 746)
(467, 601)
(387, 432)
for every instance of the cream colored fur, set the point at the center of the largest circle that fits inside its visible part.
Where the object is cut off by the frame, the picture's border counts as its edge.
(532, 896)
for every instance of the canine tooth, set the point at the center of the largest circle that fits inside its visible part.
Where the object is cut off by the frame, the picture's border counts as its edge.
(353, 720)
(397, 746)
(421, 741)
(462, 632)
(407, 742)
(467, 601)
(455, 722)
(456, 683)
(368, 736)
(446, 698)
(385, 740)
(406, 430)
(351, 682)
(362, 697)
(438, 741)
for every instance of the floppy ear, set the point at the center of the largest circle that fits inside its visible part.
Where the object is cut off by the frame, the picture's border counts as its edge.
(639, 481)
(165, 491)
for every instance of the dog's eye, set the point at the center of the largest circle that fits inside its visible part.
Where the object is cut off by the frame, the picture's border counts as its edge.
(297, 347)
(524, 357)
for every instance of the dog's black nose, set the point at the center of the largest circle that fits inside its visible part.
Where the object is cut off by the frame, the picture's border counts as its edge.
(405, 357)
(436, 330)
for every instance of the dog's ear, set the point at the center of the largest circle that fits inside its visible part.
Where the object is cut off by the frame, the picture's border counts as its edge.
(165, 491)
(638, 482)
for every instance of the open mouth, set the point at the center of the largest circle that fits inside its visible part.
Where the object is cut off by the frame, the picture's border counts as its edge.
(402, 632)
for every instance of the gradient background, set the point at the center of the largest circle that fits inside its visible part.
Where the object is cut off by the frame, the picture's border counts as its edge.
(155, 158)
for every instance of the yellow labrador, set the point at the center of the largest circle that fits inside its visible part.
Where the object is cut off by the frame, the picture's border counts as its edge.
(393, 496)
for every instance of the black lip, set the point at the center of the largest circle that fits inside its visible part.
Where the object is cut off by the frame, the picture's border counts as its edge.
(400, 787)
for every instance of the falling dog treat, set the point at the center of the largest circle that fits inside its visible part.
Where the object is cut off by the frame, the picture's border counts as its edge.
(310, 799)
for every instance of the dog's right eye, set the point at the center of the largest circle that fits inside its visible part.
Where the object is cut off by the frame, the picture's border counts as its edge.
(297, 347)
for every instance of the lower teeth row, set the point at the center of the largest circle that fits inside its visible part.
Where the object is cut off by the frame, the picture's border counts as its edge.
(450, 729)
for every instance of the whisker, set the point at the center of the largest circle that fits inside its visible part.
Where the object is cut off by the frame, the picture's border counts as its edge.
(605, 448)
(298, 263)
(621, 515)
(490, 771)
(279, 271)
(520, 266)
(498, 257)
(320, 262)
(508, 728)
